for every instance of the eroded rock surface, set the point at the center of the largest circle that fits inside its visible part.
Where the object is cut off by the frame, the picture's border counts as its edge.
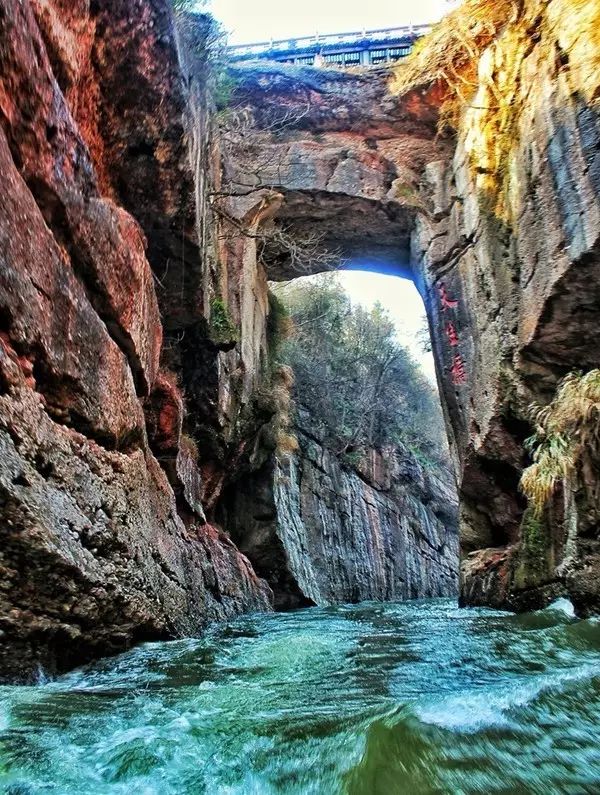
(499, 228)
(513, 236)
(134, 353)
(101, 545)
(323, 532)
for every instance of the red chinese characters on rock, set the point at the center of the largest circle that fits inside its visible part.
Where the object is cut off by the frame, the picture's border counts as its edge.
(447, 303)
(452, 334)
(457, 371)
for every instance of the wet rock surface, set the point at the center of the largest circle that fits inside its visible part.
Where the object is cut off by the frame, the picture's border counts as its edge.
(133, 329)
(102, 543)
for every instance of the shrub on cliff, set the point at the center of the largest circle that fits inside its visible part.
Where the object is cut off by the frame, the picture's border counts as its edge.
(478, 61)
(566, 444)
(359, 384)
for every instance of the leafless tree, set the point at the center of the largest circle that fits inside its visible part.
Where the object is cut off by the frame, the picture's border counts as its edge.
(255, 163)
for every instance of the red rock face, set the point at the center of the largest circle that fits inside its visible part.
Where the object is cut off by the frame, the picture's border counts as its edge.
(102, 545)
(110, 272)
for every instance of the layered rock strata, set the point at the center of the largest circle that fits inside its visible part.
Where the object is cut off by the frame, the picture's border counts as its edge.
(498, 226)
(322, 532)
(134, 350)
(103, 544)
(513, 237)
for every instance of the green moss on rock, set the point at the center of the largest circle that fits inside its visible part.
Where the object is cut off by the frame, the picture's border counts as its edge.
(534, 559)
(222, 330)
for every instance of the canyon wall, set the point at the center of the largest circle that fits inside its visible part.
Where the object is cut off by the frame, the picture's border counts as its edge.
(508, 256)
(135, 370)
(104, 541)
(497, 222)
(322, 531)
(136, 367)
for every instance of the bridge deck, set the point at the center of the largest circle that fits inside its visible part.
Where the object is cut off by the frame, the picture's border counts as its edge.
(353, 48)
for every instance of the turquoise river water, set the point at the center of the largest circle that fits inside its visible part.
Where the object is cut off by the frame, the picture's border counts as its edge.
(417, 697)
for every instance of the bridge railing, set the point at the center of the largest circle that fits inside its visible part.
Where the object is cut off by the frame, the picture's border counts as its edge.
(328, 40)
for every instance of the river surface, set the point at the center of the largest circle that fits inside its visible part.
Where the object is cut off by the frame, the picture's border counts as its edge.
(417, 697)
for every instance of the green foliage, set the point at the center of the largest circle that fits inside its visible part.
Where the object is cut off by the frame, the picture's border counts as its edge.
(354, 377)
(223, 331)
(206, 43)
(352, 458)
(223, 87)
(532, 531)
(279, 327)
(534, 562)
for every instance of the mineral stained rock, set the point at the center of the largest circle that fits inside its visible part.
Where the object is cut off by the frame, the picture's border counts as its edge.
(96, 551)
(323, 532)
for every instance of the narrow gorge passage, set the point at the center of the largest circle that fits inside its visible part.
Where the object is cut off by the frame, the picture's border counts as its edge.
(246, 546)
(358, 500)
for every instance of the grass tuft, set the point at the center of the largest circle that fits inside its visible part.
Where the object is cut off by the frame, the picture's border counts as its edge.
(449, 54)
(567, 439)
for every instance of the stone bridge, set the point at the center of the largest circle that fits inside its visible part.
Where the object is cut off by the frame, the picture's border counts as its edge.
(508, 307)
(350, 50)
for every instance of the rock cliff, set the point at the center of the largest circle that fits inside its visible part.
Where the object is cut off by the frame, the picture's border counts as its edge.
(136, 240)
(508, 256)
(133, 338)
(104, 540)
(497, 222)
(322, 532)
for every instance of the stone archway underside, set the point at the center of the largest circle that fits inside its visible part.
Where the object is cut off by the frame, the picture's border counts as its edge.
(345, 157)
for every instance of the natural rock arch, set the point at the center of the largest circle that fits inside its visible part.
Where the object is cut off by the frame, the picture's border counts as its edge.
(344, 156)
(509, 308)
(104, 501)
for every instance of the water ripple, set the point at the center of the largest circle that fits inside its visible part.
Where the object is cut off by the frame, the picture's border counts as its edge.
(372, 699)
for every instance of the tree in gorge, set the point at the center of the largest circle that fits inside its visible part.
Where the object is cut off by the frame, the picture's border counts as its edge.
(357, 381)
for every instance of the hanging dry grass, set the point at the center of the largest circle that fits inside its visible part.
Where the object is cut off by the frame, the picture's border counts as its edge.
(449, 54)
(484, 58)
(567, 440)
(275, 399)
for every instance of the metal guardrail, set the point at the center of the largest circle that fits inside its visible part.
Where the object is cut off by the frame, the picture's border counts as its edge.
(329, 40)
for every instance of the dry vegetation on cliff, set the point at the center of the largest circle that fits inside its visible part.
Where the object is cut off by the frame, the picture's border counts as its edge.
(566, 444)
(478, 57)
(449, 54)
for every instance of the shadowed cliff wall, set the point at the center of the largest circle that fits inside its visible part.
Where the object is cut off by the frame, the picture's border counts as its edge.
(104, 540)
(323, 532)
